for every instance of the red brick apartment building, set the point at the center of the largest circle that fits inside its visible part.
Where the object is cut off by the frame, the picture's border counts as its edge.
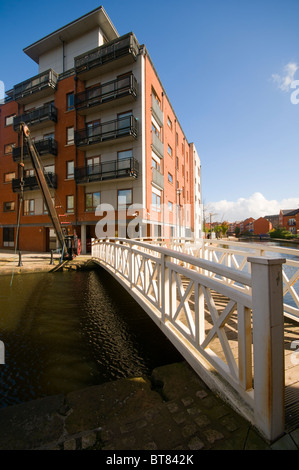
(106, 133)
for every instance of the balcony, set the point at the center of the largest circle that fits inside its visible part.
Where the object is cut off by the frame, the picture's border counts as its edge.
(37, 87)
(46, 147)
(116, 53)
(30, 183)
(158, 178)
(122, 129)
(157, 112)
(111, 170)
(157, 145)
(36, 118)
(121, 90)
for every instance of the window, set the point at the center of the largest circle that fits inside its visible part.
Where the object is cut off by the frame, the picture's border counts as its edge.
(93, 165)
(49, 169)
(70, 170)
(155, 164)
(70, 204)
(28, 173)
(93, 128)
(124, 198)
(9, 120)
(8, 148)
(8, 236)
(9, 206)
(29, 207)
(170, 179)
(124, 122)
(70, 135)
(170, 206)
(155, 130)
(124, 159)
(8, 177)
(70, 101)
(169, 150)
(156, 98)
(169, 122)
(92, 201)
(156, 202)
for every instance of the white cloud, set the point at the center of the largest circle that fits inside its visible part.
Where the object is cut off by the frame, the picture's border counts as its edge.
(255, 206)
(285, 80)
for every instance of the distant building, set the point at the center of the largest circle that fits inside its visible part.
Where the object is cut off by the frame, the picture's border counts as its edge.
(261, 226)
(289, 220)
(274, 219)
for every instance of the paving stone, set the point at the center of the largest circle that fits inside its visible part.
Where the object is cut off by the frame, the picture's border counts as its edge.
(189, 430)
(89, 440)
(195, 444)
(202, 420)
(70, 444)
(213, 435)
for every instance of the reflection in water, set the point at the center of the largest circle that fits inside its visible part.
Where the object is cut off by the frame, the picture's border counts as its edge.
(70, 330)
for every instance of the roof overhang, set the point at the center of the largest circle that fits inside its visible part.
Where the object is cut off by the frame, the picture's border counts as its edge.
(97, 17)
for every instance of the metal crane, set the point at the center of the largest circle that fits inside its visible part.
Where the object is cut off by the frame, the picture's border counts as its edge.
(65, 241)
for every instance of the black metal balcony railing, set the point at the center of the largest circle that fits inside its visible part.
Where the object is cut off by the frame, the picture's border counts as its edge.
(44, 147)
(106, 92)
(125, 168)
(110, 130)
(30, 182)
(120, 47)
(37, 116)
(44, 82)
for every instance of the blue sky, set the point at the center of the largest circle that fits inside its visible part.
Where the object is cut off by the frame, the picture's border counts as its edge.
(226, 65)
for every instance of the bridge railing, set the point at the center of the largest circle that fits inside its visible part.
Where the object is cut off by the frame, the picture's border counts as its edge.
(235, 254)
(233, 337)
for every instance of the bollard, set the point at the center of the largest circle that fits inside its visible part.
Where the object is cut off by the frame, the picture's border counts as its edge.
(52, 259)
(20, 259)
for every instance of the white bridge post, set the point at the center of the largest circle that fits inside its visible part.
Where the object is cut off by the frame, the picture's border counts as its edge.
(268, 345)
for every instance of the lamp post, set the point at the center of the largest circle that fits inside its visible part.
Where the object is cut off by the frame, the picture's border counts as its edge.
(179, 192)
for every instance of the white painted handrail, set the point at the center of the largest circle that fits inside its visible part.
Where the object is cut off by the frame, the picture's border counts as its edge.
(179, 291)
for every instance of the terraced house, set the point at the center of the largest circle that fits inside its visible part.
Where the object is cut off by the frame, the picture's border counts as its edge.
(108, 137)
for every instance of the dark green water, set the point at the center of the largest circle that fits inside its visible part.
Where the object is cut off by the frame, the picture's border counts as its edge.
(70, 330)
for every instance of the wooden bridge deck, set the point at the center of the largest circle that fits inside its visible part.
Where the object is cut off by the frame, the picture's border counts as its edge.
(291, 333)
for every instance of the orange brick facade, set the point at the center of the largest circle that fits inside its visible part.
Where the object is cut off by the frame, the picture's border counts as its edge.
(159, 193)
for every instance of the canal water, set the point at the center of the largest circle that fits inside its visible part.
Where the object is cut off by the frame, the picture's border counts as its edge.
(69, 330)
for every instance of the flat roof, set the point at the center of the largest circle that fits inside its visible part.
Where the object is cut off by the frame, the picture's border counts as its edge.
(97, 17)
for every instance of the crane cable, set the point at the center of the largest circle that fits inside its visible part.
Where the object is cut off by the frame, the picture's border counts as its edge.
(20, 207)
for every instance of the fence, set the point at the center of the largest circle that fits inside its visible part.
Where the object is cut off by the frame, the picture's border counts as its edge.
(232, 337)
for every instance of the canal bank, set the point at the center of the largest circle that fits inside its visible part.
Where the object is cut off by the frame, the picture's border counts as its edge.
(168, 409)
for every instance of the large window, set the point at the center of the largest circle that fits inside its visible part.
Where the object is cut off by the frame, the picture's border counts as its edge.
(9, 120)
(70, 169)
(93, 165)
(9, 206)
(124, 198)
(8, 148)
(156, 202)
(8, 177)
(29, 207)
(70, 136)
(70, 101)
(92, 201)
(70, 204)
(8, 236)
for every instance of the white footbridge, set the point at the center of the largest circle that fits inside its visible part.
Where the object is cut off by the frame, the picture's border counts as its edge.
(232, 311)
